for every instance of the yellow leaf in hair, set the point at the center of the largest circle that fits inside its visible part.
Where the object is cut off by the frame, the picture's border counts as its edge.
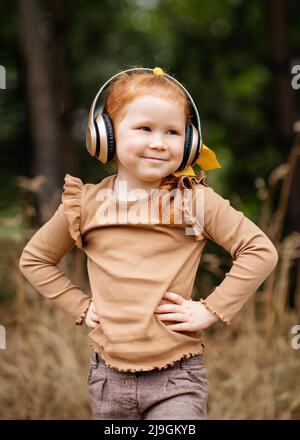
(207, 159)
(187, 171)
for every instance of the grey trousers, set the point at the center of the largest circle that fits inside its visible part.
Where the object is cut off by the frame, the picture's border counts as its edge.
(176, 393)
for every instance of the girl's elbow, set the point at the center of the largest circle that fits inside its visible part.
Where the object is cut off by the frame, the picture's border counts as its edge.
(23, 262)
(273, 257)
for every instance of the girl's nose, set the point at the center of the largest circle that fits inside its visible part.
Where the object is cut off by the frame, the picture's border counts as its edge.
(157, 147)
(157, 142)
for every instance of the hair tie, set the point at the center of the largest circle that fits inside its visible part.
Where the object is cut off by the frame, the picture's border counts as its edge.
(158, 71)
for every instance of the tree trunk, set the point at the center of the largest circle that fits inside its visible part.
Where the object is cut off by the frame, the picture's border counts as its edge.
(284, 99)
(68, 157)
(279, 62)
(42, 104)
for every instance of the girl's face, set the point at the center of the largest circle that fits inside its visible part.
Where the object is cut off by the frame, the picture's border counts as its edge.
(150, 139)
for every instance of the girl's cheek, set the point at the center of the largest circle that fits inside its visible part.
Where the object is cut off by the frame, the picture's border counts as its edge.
(178, 154)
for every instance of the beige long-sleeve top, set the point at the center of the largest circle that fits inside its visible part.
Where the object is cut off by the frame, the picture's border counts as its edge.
(131, 264)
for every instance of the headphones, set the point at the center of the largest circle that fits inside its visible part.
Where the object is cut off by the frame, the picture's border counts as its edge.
(100, 140)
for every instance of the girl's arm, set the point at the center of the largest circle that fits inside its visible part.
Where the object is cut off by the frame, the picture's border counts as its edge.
(254, 255)
(39, 260)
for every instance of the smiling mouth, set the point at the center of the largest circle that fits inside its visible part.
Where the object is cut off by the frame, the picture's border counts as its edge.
(154, 159)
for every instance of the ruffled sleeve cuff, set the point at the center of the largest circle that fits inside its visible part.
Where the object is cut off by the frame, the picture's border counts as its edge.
(218, 315)
(71, 199)
(82, 316)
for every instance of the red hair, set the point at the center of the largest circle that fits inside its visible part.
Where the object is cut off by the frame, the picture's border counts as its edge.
(129, 85)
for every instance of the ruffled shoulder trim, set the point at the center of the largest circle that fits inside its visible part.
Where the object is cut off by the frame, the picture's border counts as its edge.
(71, 199)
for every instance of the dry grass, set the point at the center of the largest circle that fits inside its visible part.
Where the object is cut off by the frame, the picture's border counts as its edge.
(253, 370)
(43, 367)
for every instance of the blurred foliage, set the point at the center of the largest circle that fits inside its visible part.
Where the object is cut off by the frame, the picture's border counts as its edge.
(216, 49)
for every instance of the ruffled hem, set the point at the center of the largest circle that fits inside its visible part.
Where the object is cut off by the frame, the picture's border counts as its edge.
(134, 370)
(214, 312)
(83, 314)
(71, 199)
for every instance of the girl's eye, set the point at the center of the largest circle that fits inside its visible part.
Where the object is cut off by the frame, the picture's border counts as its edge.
(148, 129)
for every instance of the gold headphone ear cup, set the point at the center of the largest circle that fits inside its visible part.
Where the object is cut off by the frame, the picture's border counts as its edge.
(111, 142)
(105, 141)
(90, 138)
(187, 147)
(195, 146)
(191, 147)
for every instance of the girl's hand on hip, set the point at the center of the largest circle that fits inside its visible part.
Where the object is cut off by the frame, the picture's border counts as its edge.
(92, 319)
(192, 315)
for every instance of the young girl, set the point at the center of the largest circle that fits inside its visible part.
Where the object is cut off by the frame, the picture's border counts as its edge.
(146, 339)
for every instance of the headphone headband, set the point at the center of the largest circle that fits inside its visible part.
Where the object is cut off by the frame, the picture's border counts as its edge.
(100, 140)
(145, 69)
